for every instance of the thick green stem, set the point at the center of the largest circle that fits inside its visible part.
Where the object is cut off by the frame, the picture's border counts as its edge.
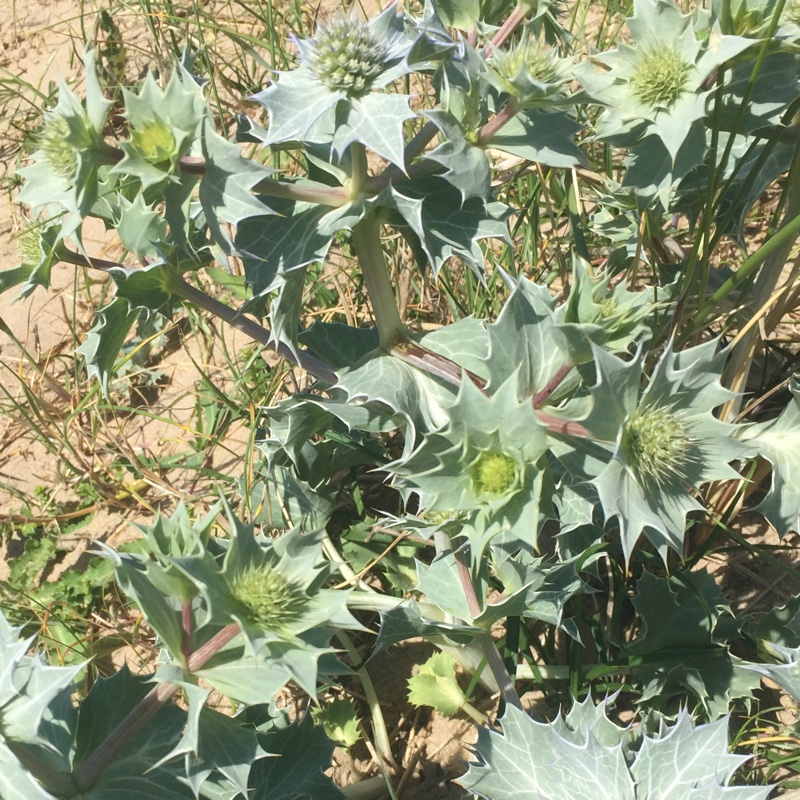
(367, 245)
(359, 173)
(308, 192)
(380, 733)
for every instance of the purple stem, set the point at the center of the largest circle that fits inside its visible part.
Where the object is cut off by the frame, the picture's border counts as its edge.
(505, 115)
(544, 395)
(508, 27)
(187, 625)
(86, 775)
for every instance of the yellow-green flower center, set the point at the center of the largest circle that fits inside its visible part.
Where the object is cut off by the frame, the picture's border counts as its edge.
(657, 445)
(660, 79)
(155, 141)
(441, 517)
(494, 474)
(267, 598)
(57, 150)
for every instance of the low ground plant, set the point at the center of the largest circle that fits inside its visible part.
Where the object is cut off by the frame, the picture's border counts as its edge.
(533, 487)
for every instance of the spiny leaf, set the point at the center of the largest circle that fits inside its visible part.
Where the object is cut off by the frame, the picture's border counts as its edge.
(565, 759)
(545, 137)
(339, 720)
(226, 187)
(303, 751)
(435, 685)
(779, 442)
(446, 227)
(105, 339)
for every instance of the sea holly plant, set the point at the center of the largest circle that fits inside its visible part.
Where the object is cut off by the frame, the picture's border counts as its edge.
(570, 444)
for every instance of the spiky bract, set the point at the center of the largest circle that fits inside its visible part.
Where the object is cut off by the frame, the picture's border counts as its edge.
(483, 464)
(667, 442)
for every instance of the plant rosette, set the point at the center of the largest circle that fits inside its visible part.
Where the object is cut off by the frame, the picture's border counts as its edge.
(658, 84)
(484, 463)
(667, 441)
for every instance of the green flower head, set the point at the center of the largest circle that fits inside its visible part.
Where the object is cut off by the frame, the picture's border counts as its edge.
(343, 71)
(667, 441)
(657, 447)
(55, 147)
(660, 78)
(529, 71)
(30, 245)
(494, 474)
(155, 141)
(267, 598)
(71, 151)
(657, 84)
(597, 313)
(346, 56)
(483, 463)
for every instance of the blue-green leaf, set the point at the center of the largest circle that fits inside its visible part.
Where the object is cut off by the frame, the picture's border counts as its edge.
(545, 137)
(779, 442)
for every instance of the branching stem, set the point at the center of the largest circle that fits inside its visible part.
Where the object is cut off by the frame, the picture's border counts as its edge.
(310, 363)
(86, 775)
(505, 115)
(380, 732)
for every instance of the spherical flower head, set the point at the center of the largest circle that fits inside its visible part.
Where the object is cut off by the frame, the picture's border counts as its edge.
(57, 150)
(267, 598)
(661, 77)
(657, 445)
(155, 141)
(30, 245)
(346, 56)
(494, 474)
